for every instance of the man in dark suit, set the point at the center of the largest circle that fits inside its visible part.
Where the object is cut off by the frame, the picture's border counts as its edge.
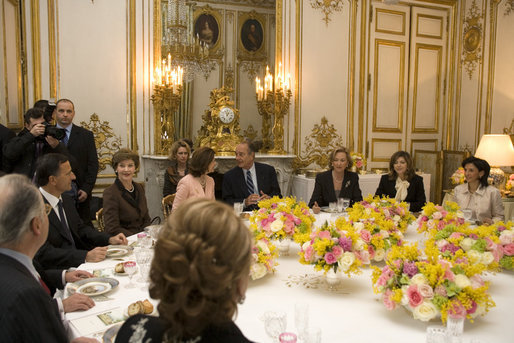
(250, 181)
(22, 152)
(5, 136)
(28, 312)
(80, 143)
(70, 242)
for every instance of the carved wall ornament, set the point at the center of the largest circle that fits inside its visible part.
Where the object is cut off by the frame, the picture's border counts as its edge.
(106, 141)
(327, 7)
(323, 139)
(229, 76)
(250, 133)
(472, 39)
(509, 7)
(252, 68)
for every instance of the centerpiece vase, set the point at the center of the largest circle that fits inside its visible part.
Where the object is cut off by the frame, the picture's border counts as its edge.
(333, 279)
(283, 246)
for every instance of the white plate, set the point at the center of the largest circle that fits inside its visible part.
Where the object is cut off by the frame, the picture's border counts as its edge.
(92, 286)
(118, 250)
(329, 210)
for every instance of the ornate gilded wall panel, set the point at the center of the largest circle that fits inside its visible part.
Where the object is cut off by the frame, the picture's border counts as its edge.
(390, 22)
(383, 148)
(423, 144)
(327, 7)
(429, 26)
(472, 39)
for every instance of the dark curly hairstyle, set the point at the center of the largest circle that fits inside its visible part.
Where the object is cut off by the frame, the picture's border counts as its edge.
(481, 165)
(200, 161)
(202, 254)
(410, 165)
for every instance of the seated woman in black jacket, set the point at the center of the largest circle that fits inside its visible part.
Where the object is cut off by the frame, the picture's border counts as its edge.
(199, 274)
(402, 182)
(338, 182)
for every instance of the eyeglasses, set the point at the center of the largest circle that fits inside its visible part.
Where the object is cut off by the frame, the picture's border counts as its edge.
(48, 209)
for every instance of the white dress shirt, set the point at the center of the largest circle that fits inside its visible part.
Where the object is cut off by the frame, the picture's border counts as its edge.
(486, 202)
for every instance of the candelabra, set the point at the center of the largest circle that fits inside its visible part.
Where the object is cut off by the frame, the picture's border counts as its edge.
(166, 100)
(273, 99)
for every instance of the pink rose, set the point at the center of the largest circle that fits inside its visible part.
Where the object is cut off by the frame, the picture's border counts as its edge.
(441, 225)
(330, 258)
(476, 281)
(426, 291)
(366, 236)
(437, 215)
(388, 301)
(508, 249)
(324, 234)
(441, 290)
(473, 308)
(308, 253)
(448, 274)
(337, 251)
(456, 235)
(457, 310)
(414, 296)
(498, 253)
(371, 251)
(363, 256)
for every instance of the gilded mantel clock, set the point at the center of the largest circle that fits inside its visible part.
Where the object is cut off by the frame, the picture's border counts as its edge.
(220, 129)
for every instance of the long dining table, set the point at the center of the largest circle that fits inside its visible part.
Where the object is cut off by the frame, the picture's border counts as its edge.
(349, 312)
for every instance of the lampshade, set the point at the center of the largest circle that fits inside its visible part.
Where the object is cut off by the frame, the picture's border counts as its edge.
(497, 150)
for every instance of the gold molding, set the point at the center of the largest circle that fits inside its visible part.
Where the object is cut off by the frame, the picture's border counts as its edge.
(402, 14)
(413, 141)
(471, 40)
(327, 7)
(36, 49)
(351, 79)
(131, 71)
(218, 16)
(51, 49)
(261, 53)
(401, 77)
(362, 75)
(372, 158)
(297, 78)
(439, 50)
(492, 58)
(429, 17)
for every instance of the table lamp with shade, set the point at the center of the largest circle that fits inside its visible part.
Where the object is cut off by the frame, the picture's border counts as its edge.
(498, 151)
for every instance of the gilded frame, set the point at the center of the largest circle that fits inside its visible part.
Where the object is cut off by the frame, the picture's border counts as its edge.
(211, 16)
(429, 161)
(245, 21)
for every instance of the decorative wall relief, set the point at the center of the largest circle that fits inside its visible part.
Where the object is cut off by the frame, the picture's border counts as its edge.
(472, 39)
(229, 76)
(323, 139)
(250, 133)
(327, 7)
(509, 7)
(252, 68)
(106, 141)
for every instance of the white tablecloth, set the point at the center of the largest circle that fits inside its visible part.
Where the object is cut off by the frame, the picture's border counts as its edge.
(355, 316)
(303, 186)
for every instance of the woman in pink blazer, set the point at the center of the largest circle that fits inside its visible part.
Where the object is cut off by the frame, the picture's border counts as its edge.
(197, 184)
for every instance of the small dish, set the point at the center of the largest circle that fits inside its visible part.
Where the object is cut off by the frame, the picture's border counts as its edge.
(92, 286)
(328, 209)
(118, 250)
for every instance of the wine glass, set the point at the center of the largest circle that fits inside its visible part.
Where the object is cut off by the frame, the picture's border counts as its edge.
(130, 268)
(275, 323)
(467, 214)
(301, 318)
(332, 206)
(238, 207)
(143, 259)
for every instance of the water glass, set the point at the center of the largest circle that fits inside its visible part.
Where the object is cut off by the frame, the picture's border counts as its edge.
(454, 326)
(275, 323)
(144, 259)
(332, 206)
(312, 335)
(343, 204)
(467, 213)
(238, 207)
(301, 318)
(130, 268)
(437, 334)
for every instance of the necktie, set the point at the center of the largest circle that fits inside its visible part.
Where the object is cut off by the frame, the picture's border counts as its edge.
(64, 224)
(249, 182)
(45, 287)
(64, 140)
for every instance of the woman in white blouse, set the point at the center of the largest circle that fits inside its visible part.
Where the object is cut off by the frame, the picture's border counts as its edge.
(477, 195)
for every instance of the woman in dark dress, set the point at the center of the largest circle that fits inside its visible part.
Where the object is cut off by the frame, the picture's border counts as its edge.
(402, 183)
(179, 156)
(338, 180)
(199, 273)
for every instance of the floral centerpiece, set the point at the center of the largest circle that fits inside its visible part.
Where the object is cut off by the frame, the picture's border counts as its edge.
(359, 161)
(377, 239)
(435, 217)
(390, 214)
(431, 287)
(458, 177)
(463, 244)
(505, 234)
(510, 183)
(264, 255)
(283, 218)
(332, 249)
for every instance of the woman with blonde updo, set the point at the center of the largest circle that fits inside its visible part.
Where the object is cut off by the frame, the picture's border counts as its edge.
(199, 274)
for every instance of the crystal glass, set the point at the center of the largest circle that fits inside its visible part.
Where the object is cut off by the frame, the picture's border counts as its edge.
(238, 207)
(301, 318)
(130, 268)
(283, 246)
(312, 335)
(287, 337)
(342, 204)
(436, 334)
(332, 206)
(275, 323)
(143, 259)
(467, 213)
(454, 326)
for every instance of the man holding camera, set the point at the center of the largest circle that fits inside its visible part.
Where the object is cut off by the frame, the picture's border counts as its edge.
(35, 140)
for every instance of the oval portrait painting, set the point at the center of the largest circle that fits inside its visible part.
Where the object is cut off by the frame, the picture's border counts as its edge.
(207, 29)
(251, 35)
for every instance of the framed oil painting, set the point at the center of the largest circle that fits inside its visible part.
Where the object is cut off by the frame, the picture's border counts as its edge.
(207, 26)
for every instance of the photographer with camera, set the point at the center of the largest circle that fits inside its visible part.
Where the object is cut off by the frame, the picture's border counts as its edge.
(35, 140)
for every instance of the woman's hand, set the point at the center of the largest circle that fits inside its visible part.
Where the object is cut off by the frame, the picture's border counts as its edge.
(315, 208)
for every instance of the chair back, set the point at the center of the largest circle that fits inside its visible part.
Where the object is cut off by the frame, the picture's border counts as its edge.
(167, 204)
(100, 220)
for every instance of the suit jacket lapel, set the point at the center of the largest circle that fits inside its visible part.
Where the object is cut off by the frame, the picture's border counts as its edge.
(54, 221)
(73, 135)
(242, 182)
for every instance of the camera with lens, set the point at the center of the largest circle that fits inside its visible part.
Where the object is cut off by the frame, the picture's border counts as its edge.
(52, 130)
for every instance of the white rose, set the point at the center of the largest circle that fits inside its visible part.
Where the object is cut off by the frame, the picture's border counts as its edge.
(474, 256)
(405, 298)
(277, 225)
(346, 261)
(358, 226)
(425, 311)
(431, 224)
(426, 291)
(306, 245)
(257, 271)
(441, 243)
(506, 237)
(255, 257)
(360, 245)
(419, 279)
(379, 255)
(367, 211)
(480, 311)
(396, 218)
(373, 204)
(384, 233)
(263, 247)
(364, 256)
(487, 258)
(462, 281)
(466, 243)
(386, 212)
